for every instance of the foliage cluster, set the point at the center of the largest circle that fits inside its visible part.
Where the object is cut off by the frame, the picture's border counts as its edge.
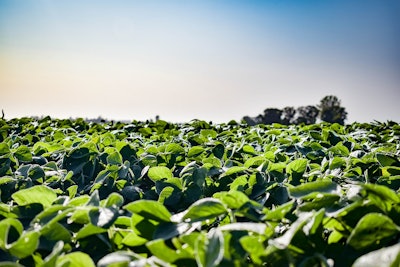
(76, 193)
(329, 110)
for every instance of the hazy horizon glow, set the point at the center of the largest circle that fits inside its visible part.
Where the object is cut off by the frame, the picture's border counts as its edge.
(212, 60)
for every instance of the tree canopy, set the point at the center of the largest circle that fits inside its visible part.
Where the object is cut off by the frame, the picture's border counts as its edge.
(329, 110)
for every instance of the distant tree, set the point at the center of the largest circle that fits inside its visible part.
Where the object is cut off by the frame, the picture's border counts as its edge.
(330, 110)
(288, 114)
(272, 115)
(250, 121)
(307, 114)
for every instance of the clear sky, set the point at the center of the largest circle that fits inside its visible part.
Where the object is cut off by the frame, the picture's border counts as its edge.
(210, 59)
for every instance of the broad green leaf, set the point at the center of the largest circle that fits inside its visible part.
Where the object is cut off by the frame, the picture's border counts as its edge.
(94, 199)
(372, 229)
(240, 183)
(296, 169)
(103, 217)
(255, 161)
(168, 230)
(25, 245)
(279, 212)
(88, 230)
(248, 149)
(312, 226)
(169, 196)
(120, 259)
(56, 232)
(159, 172)
(234, 170)
(384, 257)
(114, 200)
(203, 209)
(114, 158)
(381, 196)
(4, 149)
(336, 163)
(258, 228)
(51, 259)
(36, 194)
(149, 209)
(159, 249)
(210, 248)
(317, 200)
(174, 148)
(195, 151)
(323, 186)
(283, 241)
(9, 226)
(219, 151)
(75, 259)
(134, 240)
(387, 160)
(233, 199)
(254, 247)
(297, 166)
(23, 154)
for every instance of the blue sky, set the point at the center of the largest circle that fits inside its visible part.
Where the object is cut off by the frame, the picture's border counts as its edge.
(213, 60)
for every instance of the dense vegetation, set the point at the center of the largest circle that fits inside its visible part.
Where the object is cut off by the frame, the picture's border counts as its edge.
(329, 110)
(76, 193)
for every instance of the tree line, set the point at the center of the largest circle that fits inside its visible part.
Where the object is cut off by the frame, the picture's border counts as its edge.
(329, 110)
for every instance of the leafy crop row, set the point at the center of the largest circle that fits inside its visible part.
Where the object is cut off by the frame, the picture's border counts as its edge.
(75, 193)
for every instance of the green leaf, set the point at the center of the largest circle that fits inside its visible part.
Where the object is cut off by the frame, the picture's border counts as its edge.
(258, 228)
(203, 209)
(372, 229)
(88, 230)
(255, 248)
(255, 161)
(51, 259)
(387, 160)
(25, 245)
(114, 158)
(56, 232)
(210, 248)
(219, 151)
(384, 257)
(297, 166)
(168, 230)
(323, 186)
(381, 196)
(120, 259)
(283, 241)
(4, 149)
(114, 200)
(169, 196)
(296, 169)
(337, 162)
(103, 217)
(159, 172)
(36, 194)
(234, 170)
(23, 154)
(279, 212)
(159, 249)
(233, 199)
(149, 209)
(195, 151)
(75, 259)
(134, 240)
(10, 228)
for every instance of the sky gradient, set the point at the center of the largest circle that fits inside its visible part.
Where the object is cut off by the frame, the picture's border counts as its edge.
(212, 60)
